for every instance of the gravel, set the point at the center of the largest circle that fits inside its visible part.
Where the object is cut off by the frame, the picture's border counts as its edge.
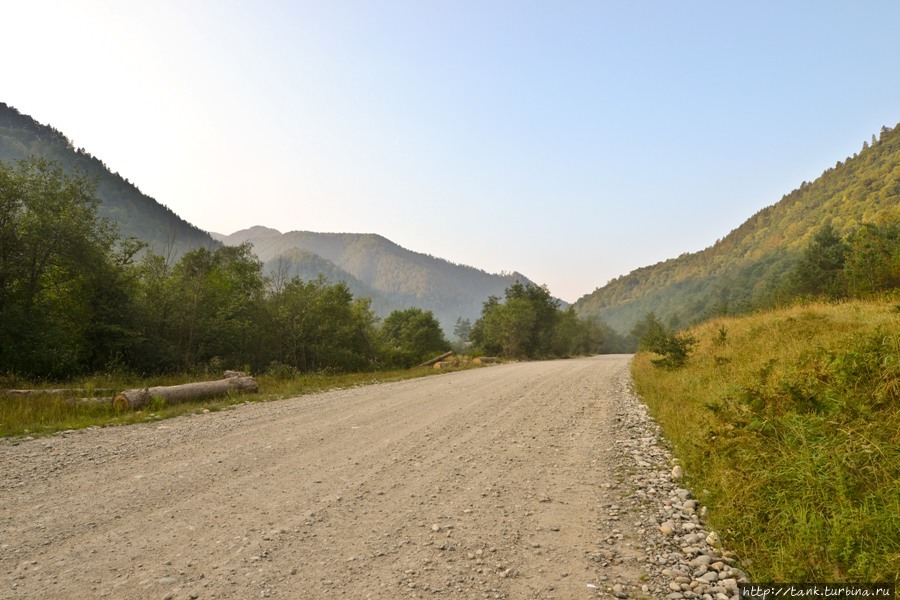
(532, 480)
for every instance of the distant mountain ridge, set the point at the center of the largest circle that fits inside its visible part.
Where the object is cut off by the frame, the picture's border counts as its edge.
(369, 264)
(374, 266)
(121, 201)
(745, 268)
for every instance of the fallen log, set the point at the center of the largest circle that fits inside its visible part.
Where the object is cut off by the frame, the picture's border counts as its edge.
(173, 394)
(428, 363)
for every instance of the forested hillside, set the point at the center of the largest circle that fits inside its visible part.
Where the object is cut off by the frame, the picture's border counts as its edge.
(751, 267)
(374, 266)
(135, 213)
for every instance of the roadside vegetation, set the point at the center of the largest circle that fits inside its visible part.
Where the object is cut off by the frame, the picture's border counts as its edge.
(77, 300)
(40, 415)
(787, 424)
(81, 307)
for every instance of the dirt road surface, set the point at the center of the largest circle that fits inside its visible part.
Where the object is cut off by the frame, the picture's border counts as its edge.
(489, 483)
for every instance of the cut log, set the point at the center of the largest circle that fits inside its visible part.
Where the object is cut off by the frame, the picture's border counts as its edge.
(428, 363)
(173, 394)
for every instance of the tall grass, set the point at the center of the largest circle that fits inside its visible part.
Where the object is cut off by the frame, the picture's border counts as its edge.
(45, 414)
(788, 424)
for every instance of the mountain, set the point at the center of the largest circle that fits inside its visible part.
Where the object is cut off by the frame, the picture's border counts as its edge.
(374, 266)
(369, 264)
(745, 269)
(121, 201)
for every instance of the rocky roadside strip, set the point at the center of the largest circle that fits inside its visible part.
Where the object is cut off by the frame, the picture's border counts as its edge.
(684, 558)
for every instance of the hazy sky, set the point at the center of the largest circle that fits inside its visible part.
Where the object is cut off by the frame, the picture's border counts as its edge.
(570, 141)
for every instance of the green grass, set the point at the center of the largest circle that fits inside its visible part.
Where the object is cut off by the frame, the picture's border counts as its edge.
(45, 414)
(790, 420)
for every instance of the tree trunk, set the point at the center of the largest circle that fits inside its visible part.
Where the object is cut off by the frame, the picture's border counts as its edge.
(173, 394)
(428, 363)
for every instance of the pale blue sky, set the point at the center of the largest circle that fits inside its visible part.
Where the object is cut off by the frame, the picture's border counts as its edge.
(571, 141)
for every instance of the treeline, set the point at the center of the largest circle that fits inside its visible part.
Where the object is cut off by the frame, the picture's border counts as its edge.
(76, 298)
(858, 265)
(530, 324)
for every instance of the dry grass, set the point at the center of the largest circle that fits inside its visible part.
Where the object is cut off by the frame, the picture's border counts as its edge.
(46, 414)
(790, 420)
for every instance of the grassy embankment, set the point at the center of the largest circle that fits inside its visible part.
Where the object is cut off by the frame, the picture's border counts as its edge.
(788, 427)
(45, 414)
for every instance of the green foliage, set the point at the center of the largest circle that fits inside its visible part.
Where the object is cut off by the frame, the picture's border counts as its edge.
(74, 298)
(217, 302)
(791, 427)
(873, 261)
(673, 348)
(530, 324)
(157, 404)
(819, 271)
(61, 278)
(314, 325)
(410, 337)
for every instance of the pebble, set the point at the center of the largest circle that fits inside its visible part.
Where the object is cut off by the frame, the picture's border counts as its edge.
(684, 559)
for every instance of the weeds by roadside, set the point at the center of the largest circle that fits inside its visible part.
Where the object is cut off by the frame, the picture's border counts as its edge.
(46, 414)
(790, 422)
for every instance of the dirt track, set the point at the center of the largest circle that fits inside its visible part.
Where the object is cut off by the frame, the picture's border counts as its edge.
(492, 483)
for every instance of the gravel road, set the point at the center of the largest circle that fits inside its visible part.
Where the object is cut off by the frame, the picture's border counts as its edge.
(526, 480)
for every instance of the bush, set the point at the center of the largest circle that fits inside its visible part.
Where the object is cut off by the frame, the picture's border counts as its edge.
(673, 348)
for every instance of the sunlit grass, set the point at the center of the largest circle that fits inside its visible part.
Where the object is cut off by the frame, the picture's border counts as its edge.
(790, 421)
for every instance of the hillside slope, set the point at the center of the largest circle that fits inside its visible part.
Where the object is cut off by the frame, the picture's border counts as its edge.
(374, 266)
(744, 269)
(121, 201)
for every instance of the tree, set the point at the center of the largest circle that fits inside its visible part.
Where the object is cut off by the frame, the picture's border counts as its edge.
(873, 259)
(673, 348)
(410, 337)
(462, 330)
(546, 314)
(218, 299)
(509, 327)
(54, 252)
(314, 325)
(819, 272)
